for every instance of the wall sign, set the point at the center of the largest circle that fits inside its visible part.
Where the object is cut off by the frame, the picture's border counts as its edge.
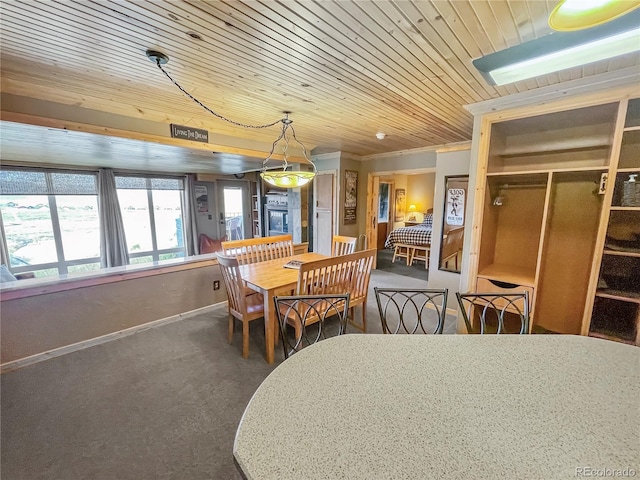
(455, 206)
(202, 198)
(189, 133)
(350, 196)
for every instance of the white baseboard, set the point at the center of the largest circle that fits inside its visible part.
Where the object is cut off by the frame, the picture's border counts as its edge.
(74, 347)
(452, 311)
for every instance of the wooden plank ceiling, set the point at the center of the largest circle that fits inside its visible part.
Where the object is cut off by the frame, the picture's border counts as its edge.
(346, 69)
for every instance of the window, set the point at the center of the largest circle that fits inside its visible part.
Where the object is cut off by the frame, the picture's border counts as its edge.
(50, 221)
(152, 216)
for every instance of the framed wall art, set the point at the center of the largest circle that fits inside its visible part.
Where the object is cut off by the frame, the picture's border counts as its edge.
(350, 196)
(455, 188)
(400, 205)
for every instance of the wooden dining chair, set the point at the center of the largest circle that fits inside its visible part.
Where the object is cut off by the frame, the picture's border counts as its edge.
(253, 250)
(342, 245)
(310, 316)
(494, 312)
(342, 274)
(359, 287)
(411, 310)
(244, 304)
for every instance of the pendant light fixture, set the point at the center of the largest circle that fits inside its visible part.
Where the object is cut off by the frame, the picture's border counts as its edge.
(285, 178)
(571, 15)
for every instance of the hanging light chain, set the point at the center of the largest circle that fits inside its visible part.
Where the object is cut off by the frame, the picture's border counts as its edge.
(221, 117)
(284, 178)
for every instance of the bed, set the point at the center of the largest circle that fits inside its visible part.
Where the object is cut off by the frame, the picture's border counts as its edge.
(415, 235)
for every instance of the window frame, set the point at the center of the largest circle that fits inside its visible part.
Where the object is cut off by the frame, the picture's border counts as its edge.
(62, 265)
(155, 253)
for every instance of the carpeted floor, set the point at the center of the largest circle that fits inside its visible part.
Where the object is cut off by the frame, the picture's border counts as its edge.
(161, 404)
(400, 266)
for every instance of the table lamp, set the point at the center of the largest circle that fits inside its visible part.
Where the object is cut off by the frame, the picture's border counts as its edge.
(412, 213)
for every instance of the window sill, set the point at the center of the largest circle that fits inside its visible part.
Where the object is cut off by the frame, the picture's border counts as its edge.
(58, 283)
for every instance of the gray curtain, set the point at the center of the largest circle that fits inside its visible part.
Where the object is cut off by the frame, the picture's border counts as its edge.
(113, 243)
(4, 251)
(190, 226)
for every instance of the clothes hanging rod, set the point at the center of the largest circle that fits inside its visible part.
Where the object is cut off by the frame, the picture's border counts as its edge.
(507, 186)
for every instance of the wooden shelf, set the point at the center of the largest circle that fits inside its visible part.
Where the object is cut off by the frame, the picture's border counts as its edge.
(622, 296)
(621, 253)
(611, 336)
(508, 274)
(548, 170)
(536, 239)
(550, 151)
(626, 209)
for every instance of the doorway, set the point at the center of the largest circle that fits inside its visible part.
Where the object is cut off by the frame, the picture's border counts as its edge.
(234, 210)
(398, 200)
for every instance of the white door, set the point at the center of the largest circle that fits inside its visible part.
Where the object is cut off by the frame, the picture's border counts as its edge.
(323, 195)
(234, 210)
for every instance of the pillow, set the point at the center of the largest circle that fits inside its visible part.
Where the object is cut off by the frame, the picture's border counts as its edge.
(209, 245)
(6, 275)
(428, 220)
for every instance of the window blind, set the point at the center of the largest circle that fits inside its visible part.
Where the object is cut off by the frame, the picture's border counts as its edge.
(149, 183)
(34, 182)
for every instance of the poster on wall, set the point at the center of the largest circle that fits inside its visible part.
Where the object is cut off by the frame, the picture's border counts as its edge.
(401, 204)
(202, 198)
(383, 203)
(455, 206)
(350, 196)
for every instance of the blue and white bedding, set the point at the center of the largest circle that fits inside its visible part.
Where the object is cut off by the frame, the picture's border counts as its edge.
(416, 235)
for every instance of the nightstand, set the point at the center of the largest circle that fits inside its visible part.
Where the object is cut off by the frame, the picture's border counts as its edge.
(411, 224)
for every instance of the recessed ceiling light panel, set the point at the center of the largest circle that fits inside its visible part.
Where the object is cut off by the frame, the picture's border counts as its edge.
(561, 50)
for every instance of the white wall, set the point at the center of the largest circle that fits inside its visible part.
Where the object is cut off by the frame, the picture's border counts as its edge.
(420, 191)
(403, 160)
(447, 164)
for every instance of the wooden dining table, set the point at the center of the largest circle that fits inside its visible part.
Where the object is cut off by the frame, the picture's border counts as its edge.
(271, 278)
(364, 407)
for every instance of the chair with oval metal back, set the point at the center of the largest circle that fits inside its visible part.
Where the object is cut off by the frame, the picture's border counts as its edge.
(312, 319)
(244, 304)
(411, 310)
(495, 313)
(343, 245)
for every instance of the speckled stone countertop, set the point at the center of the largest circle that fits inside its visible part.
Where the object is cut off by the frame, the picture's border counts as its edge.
(446, 407)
